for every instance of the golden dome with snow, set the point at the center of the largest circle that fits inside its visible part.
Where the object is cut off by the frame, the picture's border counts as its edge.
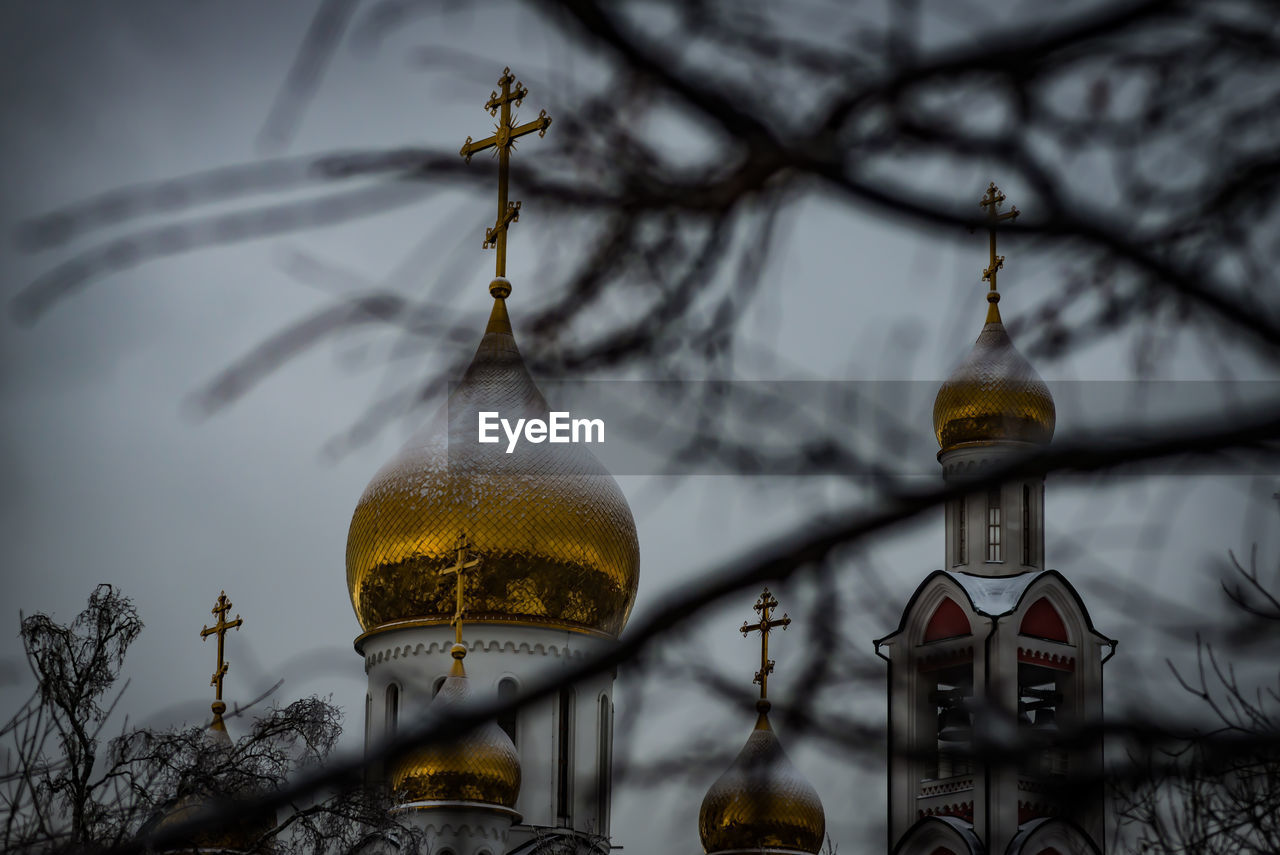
(553, 531)
(995, 395)
(480, 767)
(762, 804)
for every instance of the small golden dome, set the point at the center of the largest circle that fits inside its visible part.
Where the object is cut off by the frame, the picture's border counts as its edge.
(247, 831)
(762, 803)
(995, 395)
(550, 525)
(482, 766)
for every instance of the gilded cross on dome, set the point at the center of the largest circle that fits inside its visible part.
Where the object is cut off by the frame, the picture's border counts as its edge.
(992, 202)
(502, 141)
(460, 566)
(765, 606)
(219, 629)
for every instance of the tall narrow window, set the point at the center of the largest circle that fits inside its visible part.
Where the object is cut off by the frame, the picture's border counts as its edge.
(961, 547)
(1026, 524)
(393, 708)
(604, 764)
(509, 721)
(564, 760)
(994, 549)
(368, 719)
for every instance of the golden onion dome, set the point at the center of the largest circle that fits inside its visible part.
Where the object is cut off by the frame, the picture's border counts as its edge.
(246, 831)
(481, 767)
(762, 803)
(995, 395)
(551, 527)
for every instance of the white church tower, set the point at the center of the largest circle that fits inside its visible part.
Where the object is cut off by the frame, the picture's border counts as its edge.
(995, 662)
(550, 563)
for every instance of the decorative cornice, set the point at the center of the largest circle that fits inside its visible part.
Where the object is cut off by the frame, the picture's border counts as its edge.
(433, 815)
(962, 810)
(436, 648)
(945, 658)
(768, 850)
(478, 620)
(962, 783)
(1058, 662)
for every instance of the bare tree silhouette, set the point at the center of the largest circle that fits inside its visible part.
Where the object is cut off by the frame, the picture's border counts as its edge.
(1143, 133)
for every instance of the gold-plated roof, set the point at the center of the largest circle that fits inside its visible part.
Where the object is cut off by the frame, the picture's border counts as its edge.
(482, 766)
(995, 395)
(762, 803)
(550, 524)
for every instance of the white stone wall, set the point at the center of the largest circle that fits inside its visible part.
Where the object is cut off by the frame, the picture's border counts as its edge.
(415, 657)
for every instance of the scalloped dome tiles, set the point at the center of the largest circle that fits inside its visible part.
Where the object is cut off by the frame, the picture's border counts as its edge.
(554, 532)
(994, 396)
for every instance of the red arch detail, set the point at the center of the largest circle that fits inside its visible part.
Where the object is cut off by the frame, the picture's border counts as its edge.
(1043, 621)
(948, 621)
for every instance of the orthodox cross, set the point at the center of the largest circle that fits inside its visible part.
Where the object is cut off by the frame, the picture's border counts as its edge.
(460, 566)
(765, 606)
(220, 629)
(992, 202)
(502, 142)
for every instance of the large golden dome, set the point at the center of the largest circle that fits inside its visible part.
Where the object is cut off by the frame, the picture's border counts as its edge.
(482, 766)
(553, 531)
(762, 803)
(995, 395)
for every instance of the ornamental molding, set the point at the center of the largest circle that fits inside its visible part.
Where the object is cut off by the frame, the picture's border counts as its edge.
(962, 810)
(465, 830)
(954, 785)
(934, 660)
(404, 651)
(1046, 659)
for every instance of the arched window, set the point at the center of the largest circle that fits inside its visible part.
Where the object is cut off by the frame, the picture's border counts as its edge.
(962, 548)
(1043, 621)
(947, 621)
(564, 759)
(368, 719)
(995, 551)
(604, 764)
(1026, 524)
(393, 708)
(508, 688)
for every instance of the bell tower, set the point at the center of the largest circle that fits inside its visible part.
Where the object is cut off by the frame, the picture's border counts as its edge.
(995, 665)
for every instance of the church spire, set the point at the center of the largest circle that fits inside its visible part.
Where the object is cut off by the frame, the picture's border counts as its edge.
(765, 606)
(502, 141)
(459, 567)
(992, 202)
(220, 609)
(761, 803)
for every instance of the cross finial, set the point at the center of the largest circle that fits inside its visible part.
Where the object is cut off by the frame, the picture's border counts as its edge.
(992, 202)
(765, 606)
(502, 141)
(219, 629)
(460, 566)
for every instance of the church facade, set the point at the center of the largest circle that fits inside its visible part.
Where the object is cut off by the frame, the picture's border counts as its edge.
(476, 571)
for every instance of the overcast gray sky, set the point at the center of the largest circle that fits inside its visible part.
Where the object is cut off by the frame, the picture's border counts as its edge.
(108, 477)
